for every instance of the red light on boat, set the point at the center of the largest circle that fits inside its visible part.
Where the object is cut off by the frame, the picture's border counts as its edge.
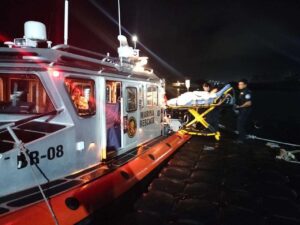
(55, 73)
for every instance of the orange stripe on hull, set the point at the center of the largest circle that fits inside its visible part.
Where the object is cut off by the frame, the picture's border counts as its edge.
(99, 192)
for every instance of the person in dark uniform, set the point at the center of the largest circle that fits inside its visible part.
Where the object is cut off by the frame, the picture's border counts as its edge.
(244, 104)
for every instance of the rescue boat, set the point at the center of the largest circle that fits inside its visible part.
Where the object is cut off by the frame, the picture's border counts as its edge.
(77, 128)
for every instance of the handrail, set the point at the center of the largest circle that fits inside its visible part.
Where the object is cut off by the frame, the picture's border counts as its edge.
(36, 58)
(22, 121)
(63, 47)
(23, 150)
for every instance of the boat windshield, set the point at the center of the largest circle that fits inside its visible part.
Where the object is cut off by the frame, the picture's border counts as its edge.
(23, 94)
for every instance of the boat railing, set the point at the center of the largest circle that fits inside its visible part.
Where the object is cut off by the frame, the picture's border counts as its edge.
(83, 52)
(26, 120)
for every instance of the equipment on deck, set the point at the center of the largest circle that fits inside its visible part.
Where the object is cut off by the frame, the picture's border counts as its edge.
(195, 108)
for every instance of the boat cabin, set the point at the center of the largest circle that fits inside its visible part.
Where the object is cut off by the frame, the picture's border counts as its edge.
(73, 109)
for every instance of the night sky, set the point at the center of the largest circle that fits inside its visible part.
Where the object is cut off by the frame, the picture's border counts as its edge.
(199, 39)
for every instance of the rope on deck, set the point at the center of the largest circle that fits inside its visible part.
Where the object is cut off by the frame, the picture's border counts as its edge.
(270, 140)
(288, 156)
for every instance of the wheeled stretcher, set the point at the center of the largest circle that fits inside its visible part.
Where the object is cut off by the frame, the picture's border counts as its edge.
(200, 107)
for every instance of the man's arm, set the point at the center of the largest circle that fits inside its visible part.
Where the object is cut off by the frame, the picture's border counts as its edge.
(245, 105)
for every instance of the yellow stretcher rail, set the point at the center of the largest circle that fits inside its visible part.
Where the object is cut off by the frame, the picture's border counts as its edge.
(200, 117)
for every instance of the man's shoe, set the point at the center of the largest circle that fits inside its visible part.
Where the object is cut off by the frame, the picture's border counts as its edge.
(238, 142)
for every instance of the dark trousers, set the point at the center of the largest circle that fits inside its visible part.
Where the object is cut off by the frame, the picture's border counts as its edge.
(242, 122)
(213, 118)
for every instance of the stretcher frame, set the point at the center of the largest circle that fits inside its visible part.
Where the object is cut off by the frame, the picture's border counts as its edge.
(200, 117)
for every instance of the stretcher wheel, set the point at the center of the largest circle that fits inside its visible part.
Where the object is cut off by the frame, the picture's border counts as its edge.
(218, 136)
(187, 118)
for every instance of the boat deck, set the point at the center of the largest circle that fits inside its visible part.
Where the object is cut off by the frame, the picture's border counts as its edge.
(209, 182)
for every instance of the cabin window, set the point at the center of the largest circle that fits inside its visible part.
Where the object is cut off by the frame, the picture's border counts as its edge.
(152, 95)
(82, 94)
(113, 92)
(131, 93)
(23, 94)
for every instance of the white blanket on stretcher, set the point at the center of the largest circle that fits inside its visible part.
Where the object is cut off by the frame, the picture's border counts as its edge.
(196, 98)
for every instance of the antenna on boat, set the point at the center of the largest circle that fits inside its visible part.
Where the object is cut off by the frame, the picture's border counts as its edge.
(120, 27)
(127, 53)
(66, 22)
(119, 18)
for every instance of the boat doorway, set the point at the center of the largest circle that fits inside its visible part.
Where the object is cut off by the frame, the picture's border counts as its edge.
(113, 98)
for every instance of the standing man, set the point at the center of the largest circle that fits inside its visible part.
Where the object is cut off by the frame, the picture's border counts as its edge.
(208, 88)
(244, 105)
(213, 117)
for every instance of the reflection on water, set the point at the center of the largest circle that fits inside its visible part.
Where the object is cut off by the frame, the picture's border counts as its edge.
(277, 113)
(279, 105)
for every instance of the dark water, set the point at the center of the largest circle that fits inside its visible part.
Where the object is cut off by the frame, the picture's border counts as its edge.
(277, 105)
(275, 115)
(278, 114)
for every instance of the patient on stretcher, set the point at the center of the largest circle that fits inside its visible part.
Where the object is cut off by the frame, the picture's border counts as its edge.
(197, 98)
